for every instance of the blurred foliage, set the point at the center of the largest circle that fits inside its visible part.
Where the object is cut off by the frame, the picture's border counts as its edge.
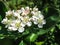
(48, 35)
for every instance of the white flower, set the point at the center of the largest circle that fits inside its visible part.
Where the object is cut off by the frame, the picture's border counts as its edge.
(8, 13)
(4, 21)
(21, 29)
(25, 19)
(22, 9)
(27, 8)
(41, 16)
(35, 9)
(41, 22)
(38, 20)
(25, 11)
(34, 19)
(16, 14)
(19, 11)
(12, 28)
(17, 20)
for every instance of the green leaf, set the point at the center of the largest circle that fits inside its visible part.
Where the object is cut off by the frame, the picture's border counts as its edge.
(30, 4)
(52, 21)
(19, 1)
(26, 32)
(4, 6)
(46, 9)
(7, 41)
(21, 43)
(41, 32)
(32, 37)
(52, 29)
(13, 2)
(2, 9)
(0, 27)
(55, 18)
(0, 18)
(1, 36)
(39, 43)
(58, 25)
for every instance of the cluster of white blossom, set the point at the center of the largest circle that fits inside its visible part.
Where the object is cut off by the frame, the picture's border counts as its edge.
(18, 19)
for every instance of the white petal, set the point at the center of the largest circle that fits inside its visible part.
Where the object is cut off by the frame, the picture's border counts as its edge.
(12, 24)
(9, 12)
(12, 28)
(40, 26)
(39, 12)
(27, 8)
(6, 26)
(22, 24)
(9, 28)
(4, 21)
(44, 22)
(29, 23)
(35, 9)
(19, 11)
(21, 29)
(33, 12)
(41, 16)
(16, 14)
(35, 22)
(22, 9)
(34, 18)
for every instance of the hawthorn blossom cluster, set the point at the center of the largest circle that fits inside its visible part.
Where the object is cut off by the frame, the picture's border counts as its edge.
(19, 19)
